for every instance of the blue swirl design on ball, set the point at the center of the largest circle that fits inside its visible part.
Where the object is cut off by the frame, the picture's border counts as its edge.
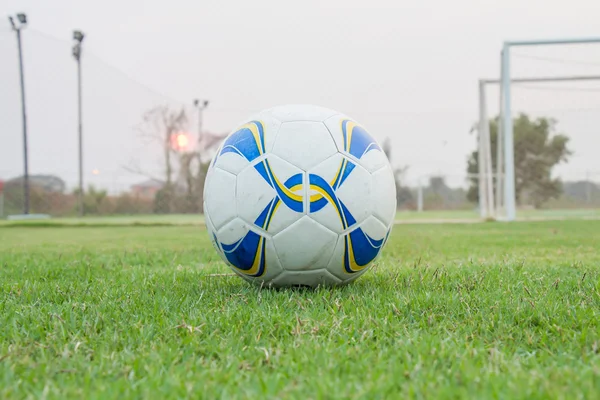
(247, 255)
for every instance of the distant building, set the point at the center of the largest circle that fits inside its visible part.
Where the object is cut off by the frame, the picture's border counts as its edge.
(147, 189)
(48, 183)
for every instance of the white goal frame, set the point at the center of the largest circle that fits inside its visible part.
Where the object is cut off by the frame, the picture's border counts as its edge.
(505, 204)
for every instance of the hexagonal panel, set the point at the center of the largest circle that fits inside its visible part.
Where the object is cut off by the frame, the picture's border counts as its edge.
(301, 112)
(288, 183)
(384, 195)
(306, 278)
(219, 197)
(305, 245)
(248, 253)
(255, 195)
(351, 138)
(304, 143)
(339, 193)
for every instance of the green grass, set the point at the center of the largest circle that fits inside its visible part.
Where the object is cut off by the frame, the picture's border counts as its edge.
(458, 310)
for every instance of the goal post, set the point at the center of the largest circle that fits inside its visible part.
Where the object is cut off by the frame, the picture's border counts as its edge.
(506, 134)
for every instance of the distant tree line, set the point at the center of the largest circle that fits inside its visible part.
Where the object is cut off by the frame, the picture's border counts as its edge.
(537, 151)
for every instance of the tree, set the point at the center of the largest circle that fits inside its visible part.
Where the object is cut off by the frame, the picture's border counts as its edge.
(184, 163)
(538, 149)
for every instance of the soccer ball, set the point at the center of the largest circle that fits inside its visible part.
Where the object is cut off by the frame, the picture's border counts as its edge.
(299, 195)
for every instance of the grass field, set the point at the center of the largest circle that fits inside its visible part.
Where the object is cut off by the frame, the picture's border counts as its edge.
(456, 310)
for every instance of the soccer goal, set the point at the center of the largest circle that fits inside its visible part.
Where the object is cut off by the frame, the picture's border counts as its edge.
(555, 86)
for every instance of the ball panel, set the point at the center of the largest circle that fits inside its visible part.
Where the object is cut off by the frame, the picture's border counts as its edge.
(271, 125)
(254, 196)
(350, 137)
(334, 126)
(374, 229)
(245, 145)
(384, 195)
(340, 193)
(305, 245)
(287, 182)
(220, 196)
(323, 207)
(306, 278)
(354, 194)
(212, 234)
(247, 252)
(304, 143)
(374, 160)
(357, 249)
(301, 112)
(266, 124)
(231, 162)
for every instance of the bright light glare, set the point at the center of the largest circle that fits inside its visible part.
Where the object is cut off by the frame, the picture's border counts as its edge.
(182, 141)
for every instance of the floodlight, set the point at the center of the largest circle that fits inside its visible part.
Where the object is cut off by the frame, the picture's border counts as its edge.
(78, 35)
(22, 18)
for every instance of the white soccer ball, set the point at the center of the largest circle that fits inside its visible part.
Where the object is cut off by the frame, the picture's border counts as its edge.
(299, 195)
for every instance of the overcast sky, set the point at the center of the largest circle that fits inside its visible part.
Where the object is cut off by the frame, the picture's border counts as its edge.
(407, 70)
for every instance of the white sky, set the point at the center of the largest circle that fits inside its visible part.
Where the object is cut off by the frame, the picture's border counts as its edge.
(406, 70)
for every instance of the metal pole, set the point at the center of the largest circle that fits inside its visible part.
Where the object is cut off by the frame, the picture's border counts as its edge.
(78, 36)
(24, 112)
(483, 201)
(420, 197)
(545, 42)
(499, 151)
(487, 156)
(200, 137)
(541, 79)
(588, 187)
(489, 171)
(201, 107)
(81, 189)
(507, 124)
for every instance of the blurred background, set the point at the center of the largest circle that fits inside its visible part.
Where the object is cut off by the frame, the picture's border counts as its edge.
(162, 83)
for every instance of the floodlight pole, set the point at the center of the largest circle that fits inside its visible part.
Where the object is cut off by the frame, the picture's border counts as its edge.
(17, 28)
(78, 37)
(200, 106)
(507, 124)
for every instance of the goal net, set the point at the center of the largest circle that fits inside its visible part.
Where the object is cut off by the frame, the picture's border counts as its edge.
(554, 101)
